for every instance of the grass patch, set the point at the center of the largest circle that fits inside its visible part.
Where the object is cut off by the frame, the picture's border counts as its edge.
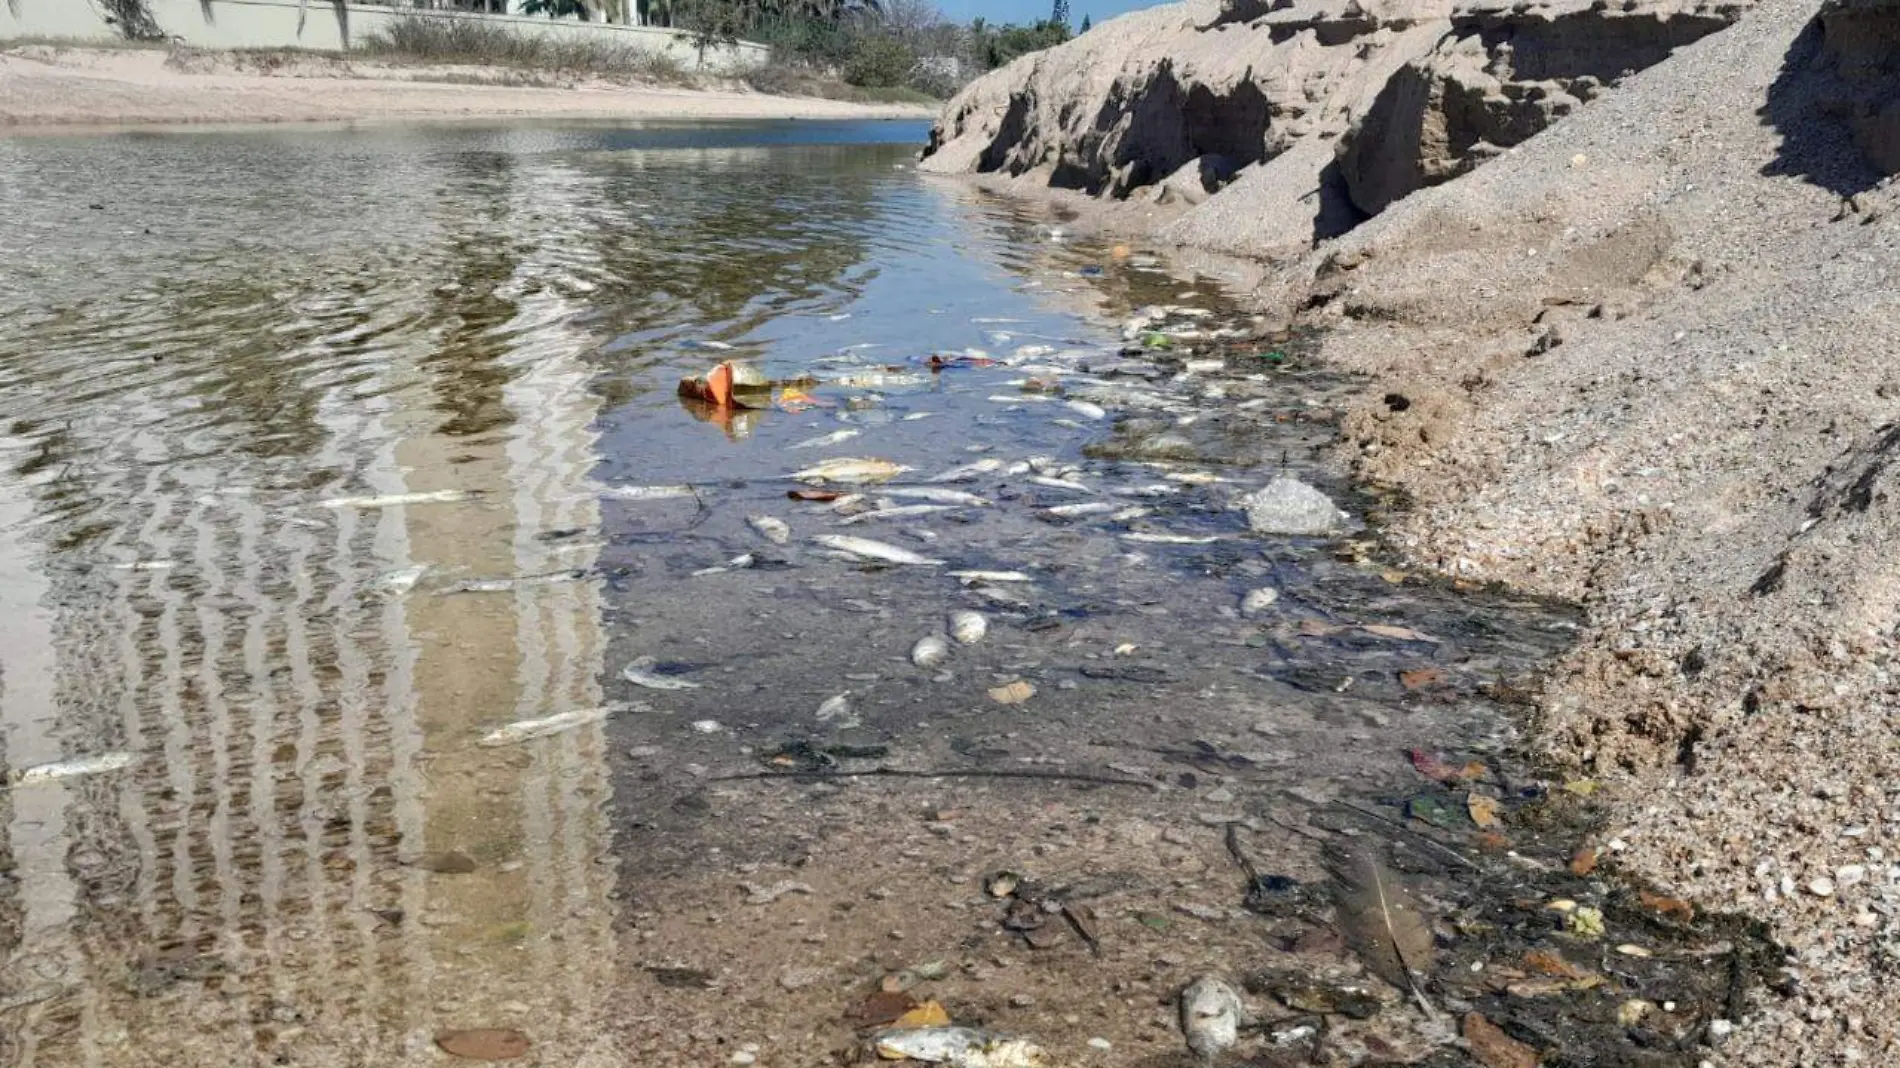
(421, 39)
(789, 79)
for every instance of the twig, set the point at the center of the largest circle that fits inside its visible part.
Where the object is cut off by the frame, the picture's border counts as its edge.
(949, 773)
(1428, 840)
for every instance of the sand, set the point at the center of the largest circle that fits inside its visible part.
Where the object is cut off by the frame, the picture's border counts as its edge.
(43, 86)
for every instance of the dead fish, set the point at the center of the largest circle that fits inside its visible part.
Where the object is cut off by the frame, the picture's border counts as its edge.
(823, 440)
(835, 708)
(1072, 511)
(959, 1047)
(1127, 514)
(1195, 478)
(967, 627)
(999, 595)
(929, 651)
(648, 493)
(1061, 484)
(968, 471)
(972, 577)
(873, 550)
(1257, 601)
(1210, 1017)
(502, 585)
(395, 500)
(737, 563)
(402, 579)
(1151, 489)
(772, 530)
(528, 729)
(880, 380)
(852, 470)
(852, 504)
(72, 769)
(146, 565)
(1021, 398)
(935, 496)
(1172, 539)
(1088, 409)
(902, 511)
(641, 673)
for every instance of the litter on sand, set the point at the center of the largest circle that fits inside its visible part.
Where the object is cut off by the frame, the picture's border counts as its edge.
(640, 672)
(528, 729)
(959, 1047)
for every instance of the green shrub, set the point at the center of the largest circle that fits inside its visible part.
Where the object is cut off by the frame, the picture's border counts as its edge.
(879, 62)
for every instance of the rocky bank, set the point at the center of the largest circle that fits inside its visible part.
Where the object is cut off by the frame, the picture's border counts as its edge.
(1621, 279)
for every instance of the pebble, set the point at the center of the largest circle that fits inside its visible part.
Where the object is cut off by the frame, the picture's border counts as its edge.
(1822, 886)
(1849, 874)
(1021, 1001)
(1098, 1042)
(742, 1057)
(800, 978)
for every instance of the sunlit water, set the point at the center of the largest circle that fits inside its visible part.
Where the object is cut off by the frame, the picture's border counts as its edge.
(208, 335)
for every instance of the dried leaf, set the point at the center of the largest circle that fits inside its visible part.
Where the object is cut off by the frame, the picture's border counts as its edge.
(1495, 1049)
(880, 1008)
(1433, 767)
(1492, 841)
(1674, 908)
(928, 1014)
(1014, 693)
(813, 495)
(484, 1043)
(1547, 962)
(448, 862)
(1381, 923)
(1402, 634)
(719, 385)
(1543, 988)
(1420, 678)
(1313, 628)
(1484, 810)
(1581, 787)
(1583, 861)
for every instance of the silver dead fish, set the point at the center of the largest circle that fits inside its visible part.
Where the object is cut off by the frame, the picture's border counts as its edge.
(968, 471)
(527, 729)
(1172, 539)
(641, 673)
(1088, 409)
(873, 550)
(972, 577)
(502, 585)
(960, 1047)
(902, 511)
(72, 769)
(772, 530)
(823, 440)
(1060, 483)
(648, 493)
(935, 495)
(396, 500)
(1072, 511)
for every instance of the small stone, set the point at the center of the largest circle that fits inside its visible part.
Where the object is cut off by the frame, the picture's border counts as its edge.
(742, 1057)
(1821, 886)
(800, 978)
(1021, 1001)
(1257, 601)
(1719, 1031)
(1849, 874)
(1098, 1042)
(706, 726)
(1289, 506)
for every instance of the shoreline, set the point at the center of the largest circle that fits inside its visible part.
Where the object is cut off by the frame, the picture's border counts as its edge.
(58, 89)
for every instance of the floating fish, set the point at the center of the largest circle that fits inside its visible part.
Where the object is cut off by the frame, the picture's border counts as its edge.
(641, 673)
(71, 769)
(772, 530)
(914, 416)
(402, 580)
(737, 563)
(1173, 539)
(146, 565)
(502, 585)
(851, 470)
(835, 708)
(929, 652)
(1151, 489)
(527, 729)
(881, 380)
(971, 577)
(1021, 398)
(902, 511)
(1060, 483)
(1072, 511)
(1087, 408)
(959, 1047)
(1195, 478)
(968, 471)
(1128, 514)
(968, 628)
(873, 550)
(648, 493)
(396, 500)
(833, 438)
(935, 495)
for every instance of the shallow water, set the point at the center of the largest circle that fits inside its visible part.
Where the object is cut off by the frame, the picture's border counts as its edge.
(312, 859)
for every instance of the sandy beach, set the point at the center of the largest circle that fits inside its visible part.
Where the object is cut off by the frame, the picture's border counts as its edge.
(45, 86)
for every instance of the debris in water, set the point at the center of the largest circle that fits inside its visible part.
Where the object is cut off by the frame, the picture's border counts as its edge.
(146, 565)
(396, 500)
(813, 495)
(867, 549)
(71, 769)
(1400, 634)
(929, 651)
(402, 580)
(648, 493)
(1211, 1015)
(1495, 1049)
(640, 672)
(851, 470)
(1381, 923)
(527, 729)
(1258, 601)
(838, 707)
(833, 438)
(959, 1047)
(772, 530)
(484, 1043)
(967, 627)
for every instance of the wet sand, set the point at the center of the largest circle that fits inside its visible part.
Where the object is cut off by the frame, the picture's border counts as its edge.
(43, 86)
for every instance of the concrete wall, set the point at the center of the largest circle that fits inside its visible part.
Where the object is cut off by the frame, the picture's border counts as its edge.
(275, 24)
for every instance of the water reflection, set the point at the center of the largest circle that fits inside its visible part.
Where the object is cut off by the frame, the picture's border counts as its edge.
(254, 323)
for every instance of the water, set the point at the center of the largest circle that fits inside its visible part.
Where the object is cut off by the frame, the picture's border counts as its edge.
(312, 859)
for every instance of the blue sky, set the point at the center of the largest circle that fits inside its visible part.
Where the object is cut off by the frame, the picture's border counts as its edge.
(1031, 10)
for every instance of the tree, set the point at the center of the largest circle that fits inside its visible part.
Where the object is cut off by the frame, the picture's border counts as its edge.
(1086, 24)
(1060, 16)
